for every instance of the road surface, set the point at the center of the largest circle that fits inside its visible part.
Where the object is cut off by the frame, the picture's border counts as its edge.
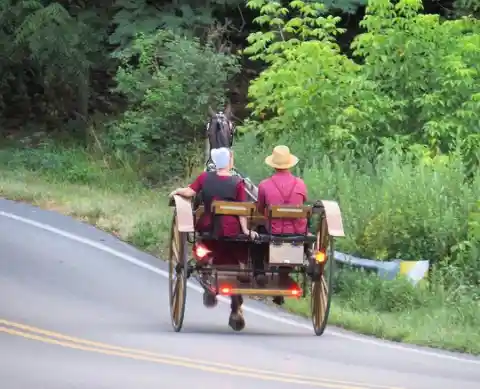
(80, 309)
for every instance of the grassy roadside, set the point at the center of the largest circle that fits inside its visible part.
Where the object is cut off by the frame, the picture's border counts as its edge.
(141, 217)
(137, 216)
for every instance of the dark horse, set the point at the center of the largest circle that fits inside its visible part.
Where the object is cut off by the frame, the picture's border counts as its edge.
(220, 131)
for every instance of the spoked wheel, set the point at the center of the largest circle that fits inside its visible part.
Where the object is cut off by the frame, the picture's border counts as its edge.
(322, 282)
(177, 274)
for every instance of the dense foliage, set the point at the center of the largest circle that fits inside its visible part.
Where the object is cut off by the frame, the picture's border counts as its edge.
(415, 78)
(169, 89)
(394, 206)
(59, 58)
(397, 136)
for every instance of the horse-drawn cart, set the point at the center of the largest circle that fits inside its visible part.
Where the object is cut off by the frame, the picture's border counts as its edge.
(295, 266)
(291, 270)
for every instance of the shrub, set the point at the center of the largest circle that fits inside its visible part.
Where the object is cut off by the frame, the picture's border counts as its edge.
(365, 291)
(73, 165)
(169, 81)
(418, 81)
(395, 205)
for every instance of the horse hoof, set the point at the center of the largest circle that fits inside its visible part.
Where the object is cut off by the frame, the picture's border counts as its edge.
(236, 321)
(279, 300)
(209, 300)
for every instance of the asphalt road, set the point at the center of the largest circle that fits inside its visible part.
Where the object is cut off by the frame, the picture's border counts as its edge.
(80, 309)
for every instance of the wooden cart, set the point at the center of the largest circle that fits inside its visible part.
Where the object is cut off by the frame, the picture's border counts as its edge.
(309, 276)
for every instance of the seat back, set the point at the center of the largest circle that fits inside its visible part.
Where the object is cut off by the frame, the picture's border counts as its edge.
(229, 208)
(289, 211)
(233, 208)
(256, 219)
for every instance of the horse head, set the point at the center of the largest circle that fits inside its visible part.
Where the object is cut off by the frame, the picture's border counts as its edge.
(220, 128)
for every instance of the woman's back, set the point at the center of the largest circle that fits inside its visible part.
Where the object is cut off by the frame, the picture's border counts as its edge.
(212, 186)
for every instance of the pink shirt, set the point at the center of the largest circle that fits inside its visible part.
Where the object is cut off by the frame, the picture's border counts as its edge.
(283, 188)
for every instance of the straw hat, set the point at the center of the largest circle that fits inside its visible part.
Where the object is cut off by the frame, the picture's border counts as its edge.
(281, 158)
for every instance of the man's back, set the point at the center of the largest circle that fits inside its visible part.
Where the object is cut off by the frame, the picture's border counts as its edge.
(283, 188)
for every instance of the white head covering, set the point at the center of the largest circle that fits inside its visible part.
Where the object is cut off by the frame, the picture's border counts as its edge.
(221, 157)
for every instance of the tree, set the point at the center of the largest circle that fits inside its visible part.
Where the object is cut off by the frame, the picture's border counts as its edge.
(44, 48)
(169, 81)
(430, 67)
(309, 86)
(417, 78)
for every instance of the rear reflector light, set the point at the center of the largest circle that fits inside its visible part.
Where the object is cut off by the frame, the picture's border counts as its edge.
(297, 292)
(225, 290)
(200, 251)
(320, 257)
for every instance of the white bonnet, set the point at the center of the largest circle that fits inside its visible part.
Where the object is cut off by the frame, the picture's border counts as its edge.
(221, 157)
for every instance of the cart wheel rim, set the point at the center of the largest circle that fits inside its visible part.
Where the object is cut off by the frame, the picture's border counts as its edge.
(177, 276)
(321, 290)
(319, 302)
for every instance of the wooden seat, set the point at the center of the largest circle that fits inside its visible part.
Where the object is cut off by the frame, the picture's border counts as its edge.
(226, 208)
(233, 208)
(289, 211)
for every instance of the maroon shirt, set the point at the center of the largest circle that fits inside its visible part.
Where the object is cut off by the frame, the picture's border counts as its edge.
(230, 225)
(283, 188)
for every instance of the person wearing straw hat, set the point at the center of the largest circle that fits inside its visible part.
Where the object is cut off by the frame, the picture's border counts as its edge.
(281, 188)
(221, 185)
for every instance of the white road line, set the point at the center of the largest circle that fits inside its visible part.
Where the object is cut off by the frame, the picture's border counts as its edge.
(266, 315)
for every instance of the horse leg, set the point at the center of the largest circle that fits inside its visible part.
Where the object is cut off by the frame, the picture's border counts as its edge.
(236, 319)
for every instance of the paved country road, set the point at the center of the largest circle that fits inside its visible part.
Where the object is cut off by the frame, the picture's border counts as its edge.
(81, 309)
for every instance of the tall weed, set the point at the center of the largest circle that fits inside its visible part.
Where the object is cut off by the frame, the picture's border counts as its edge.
(74, 165)
(394, 206)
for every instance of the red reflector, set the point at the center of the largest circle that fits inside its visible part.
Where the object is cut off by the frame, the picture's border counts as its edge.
(296, 292)
(225, 290)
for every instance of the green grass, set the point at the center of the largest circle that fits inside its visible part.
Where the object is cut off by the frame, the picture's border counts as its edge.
(398, 311)
(111, 201)
(70, 182)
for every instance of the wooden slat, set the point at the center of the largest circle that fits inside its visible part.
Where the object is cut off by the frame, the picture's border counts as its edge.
(257, 217)
(233, 208)
(273, 288)
(184, 214)
(262, 292)
(289, 211)
(334, 218)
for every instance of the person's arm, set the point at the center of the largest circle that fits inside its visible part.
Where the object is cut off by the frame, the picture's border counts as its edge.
(191, 190)
(184, 192)
(244, 224)
(261, 199)
(241, 195)
(305, 201)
